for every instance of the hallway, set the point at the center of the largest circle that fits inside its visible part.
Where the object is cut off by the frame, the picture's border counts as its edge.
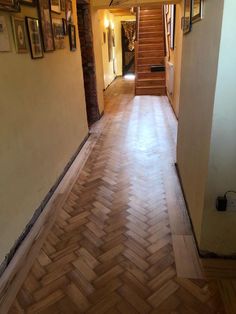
(123, 241)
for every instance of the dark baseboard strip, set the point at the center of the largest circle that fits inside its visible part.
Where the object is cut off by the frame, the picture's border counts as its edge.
(39, 210)
(202, 253)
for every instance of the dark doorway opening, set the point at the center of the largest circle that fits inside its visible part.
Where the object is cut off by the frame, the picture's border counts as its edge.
(128, 31)
(88, 60)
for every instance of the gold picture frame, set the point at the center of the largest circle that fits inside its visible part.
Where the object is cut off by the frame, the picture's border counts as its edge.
(197, 10)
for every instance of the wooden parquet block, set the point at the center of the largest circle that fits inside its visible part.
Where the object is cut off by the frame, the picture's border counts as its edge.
(110, 249)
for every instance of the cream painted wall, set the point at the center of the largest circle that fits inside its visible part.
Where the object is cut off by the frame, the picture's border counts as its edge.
(108, 71)
(43, 122)
(197, 92)
(175, 57)
(118, 41)
(97, 42)
(218, 230)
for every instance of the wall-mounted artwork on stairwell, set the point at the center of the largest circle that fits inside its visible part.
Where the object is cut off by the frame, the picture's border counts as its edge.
(172, 26)
(4, 35)
(10, 5)
(46, 25)
(197, 9)
(72, 37)
(187, 19)
(56, 6)
(34, 36)
(18, 25)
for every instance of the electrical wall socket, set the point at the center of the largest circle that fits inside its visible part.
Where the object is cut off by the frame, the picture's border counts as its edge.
(231, 203)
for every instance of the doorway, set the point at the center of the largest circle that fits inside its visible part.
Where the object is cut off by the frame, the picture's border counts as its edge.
(128, 34)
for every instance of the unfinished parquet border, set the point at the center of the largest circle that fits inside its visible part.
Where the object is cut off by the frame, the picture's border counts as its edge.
(110, 250)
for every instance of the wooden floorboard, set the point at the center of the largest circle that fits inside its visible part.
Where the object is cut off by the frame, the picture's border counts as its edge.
(110, 249)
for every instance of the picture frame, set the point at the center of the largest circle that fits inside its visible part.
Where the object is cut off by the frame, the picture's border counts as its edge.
(172, 26)
(30, 3)
(19, 31)
(68, 11)
(56, 6)
(72, 37)
(63, 5)
(10, 5)
(34, 37)
(4, 35)
(58, 31)
(65, 26)
(197, 10)
(187, 19)
(104, 38)
(44, 10)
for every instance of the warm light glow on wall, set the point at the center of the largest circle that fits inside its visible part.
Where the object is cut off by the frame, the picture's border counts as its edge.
(112, 25)
(106, 23)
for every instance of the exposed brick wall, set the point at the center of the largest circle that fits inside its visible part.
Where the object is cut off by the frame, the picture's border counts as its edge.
(88, 62)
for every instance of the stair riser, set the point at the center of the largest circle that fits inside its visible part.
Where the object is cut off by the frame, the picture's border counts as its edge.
(150, 18)
(146, 68)
(154, 91)
(156, 53)
(155, 22)
(151, 75)
(143, 48)
(156, 40)
(151, 29)
(153, 35)
(151, 60)
(160, 82)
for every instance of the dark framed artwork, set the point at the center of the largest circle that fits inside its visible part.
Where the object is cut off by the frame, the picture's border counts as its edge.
(10, 5)
(65, 26)
(58, 32)
(187, 20)
(63, 5)
(46, 25)
(68, 11)
(72, 37)
(110, 43)
(4, 35)
(56, 6)
(31, 3)
(197, 9)
(34, 36)
(172, 26)
(19, 31)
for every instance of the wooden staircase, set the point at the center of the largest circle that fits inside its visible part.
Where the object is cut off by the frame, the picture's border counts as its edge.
(150, 51)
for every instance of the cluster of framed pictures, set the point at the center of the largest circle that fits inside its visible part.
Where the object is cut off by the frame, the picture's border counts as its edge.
(193, 11)
(45, 33)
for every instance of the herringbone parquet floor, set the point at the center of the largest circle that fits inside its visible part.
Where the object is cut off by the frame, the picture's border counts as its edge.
(110, 250)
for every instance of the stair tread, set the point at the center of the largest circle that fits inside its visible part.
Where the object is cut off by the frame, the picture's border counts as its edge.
(151, 79)
(151, 87)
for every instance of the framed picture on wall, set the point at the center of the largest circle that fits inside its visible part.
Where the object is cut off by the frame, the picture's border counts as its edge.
(10, 5)
(58, 31)
(72, 37)
(197, 9)
(63, 5)
(46, 25)
(65, 26)
(68, 11)
(56, 6)
(18, 25)
(172, 26)
(34, 35)
(4, 35)
(31, 3)
(187, 19)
